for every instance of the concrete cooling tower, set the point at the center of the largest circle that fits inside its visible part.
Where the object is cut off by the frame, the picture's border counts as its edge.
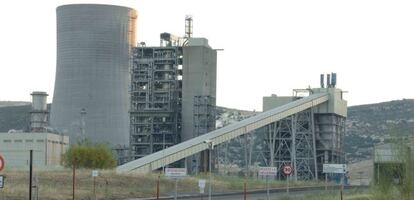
(92, 73)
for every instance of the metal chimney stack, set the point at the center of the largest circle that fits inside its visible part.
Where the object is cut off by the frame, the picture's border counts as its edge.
(39, 116)
(333, 80)
(328, 80)
(322, 81)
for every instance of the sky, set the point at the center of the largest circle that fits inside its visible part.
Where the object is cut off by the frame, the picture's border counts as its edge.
(270, 47)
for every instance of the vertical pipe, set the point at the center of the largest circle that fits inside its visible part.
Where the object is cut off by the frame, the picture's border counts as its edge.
(342, 186)
(31, 175)
(287, 185)
(312, 118)
(322, 81)
(267, 188)
(73, 178)
(294, 122)
(209, 169)
(246, 167)
(245, 190)
(326, 174)
(328, 80)
(158, 187)
(176, 188)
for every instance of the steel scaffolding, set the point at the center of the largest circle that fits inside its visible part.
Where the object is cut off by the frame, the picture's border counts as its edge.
(155, 113)
(204, 122)
(291, 141)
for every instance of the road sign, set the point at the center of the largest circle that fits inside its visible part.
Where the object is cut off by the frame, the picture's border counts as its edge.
(287, 170)
(175, 172)
(1, 163)
(267, 171)
(95, 173)
(1, 181)
(201, 185)
(334, 168)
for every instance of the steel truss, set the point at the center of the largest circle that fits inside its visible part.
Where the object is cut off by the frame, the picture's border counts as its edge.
(291, 141)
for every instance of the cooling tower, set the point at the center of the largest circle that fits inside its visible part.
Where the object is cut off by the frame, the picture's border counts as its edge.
(92, 72)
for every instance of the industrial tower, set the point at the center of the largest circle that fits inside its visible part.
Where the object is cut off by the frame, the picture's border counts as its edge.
(92, 72)
(173, 91)
(307, 139)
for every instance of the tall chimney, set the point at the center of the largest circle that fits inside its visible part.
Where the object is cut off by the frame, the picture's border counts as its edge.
(333, 81)
(322, 81)
(328, 80)
(39, 116)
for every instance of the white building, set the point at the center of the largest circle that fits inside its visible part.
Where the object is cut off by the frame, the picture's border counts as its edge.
(47, 149)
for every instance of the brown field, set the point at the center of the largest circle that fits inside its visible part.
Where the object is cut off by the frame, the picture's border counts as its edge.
(58, 185)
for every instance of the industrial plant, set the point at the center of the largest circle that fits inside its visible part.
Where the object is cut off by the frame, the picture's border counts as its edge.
(307, 139)
(173, 90)
(156, 105)
(303, 131)
(41, 138)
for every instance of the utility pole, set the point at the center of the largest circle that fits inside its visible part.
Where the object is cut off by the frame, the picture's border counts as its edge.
(246, 167)
(73, 178)
(209, 169)
(31, 175)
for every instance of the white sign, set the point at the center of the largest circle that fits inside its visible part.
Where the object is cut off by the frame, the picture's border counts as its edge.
(202, 183)
(1, 181)
(267, 171)
(287, 170)
(175, 172)
(334, 168)
(94, 173)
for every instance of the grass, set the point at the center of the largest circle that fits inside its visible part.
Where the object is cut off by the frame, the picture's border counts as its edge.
(58, 185)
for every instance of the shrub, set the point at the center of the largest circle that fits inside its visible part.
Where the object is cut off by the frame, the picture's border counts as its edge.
(90, 156)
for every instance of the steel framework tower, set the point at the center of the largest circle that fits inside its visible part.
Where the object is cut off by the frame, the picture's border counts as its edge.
(291, 141)
(308, 139)
(155, 113)
(204, 122)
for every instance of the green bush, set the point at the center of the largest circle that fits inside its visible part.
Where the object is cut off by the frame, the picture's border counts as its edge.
(90, 156)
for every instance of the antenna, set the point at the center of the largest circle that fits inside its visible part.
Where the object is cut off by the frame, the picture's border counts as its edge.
(188, 26)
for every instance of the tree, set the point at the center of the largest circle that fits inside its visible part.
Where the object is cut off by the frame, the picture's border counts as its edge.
(88, 155)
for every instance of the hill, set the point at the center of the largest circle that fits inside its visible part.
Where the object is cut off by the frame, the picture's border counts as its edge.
(375, 123)
(366, 125)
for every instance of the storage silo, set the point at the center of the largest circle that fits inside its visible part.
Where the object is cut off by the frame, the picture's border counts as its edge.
(92, 73)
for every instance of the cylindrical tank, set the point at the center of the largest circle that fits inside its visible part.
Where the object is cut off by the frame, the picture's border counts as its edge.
(39, 115)
(92, 73)
(39, 101)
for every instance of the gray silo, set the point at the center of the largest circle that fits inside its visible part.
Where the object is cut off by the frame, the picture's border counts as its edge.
(92, 72)
(39, 115)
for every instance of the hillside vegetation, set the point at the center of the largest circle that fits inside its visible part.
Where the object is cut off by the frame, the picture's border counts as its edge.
(366, 125)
